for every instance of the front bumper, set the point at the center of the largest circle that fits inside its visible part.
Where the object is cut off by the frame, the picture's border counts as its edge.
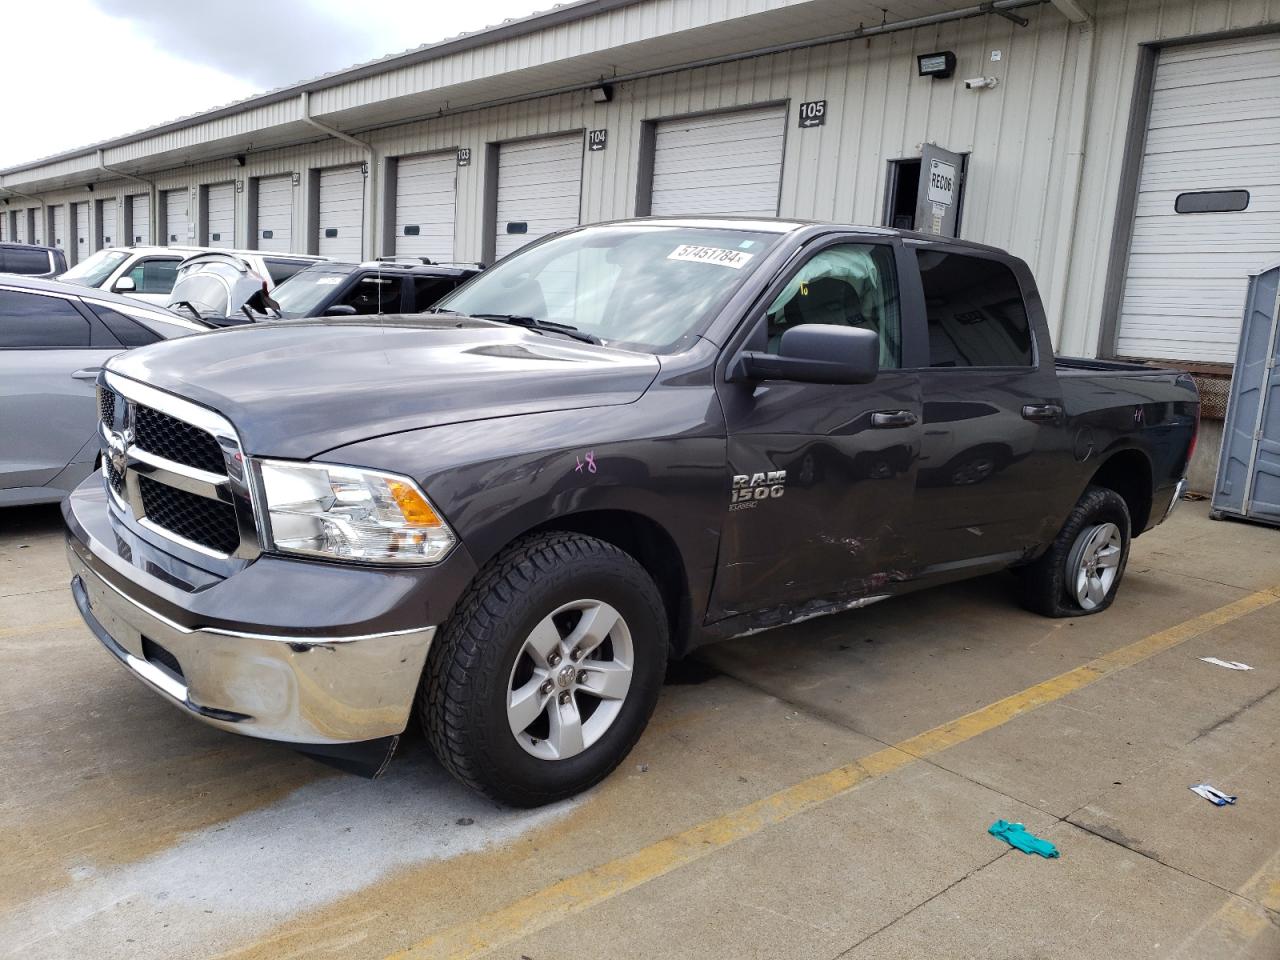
(300, 688)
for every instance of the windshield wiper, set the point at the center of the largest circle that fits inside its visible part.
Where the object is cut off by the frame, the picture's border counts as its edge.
(533, 323)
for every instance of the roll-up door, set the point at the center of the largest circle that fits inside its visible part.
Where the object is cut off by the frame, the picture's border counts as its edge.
(107, 219)
(275, 214)
(221, 198)
(20, 228)
(177, 218)
(720, 163)
(81, 247)
(341, 223)
(139, 219)
(1208, 207)
(4, 225)
(425, 191)
(59, 218)
(37, 225)
(539, 189)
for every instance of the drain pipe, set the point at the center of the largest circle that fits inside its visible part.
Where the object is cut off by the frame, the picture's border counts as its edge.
(305, 112)
(1082, 96)
(153, 199)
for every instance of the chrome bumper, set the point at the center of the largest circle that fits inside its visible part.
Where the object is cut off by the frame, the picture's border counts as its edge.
(1179, 492)
(295, 689)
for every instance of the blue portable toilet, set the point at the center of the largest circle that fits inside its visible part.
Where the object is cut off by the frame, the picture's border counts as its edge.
(1248, 484)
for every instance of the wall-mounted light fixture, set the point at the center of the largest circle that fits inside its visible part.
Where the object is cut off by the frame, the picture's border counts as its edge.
(88, 187)
(603, 93)
(938, 65)
(241, 159)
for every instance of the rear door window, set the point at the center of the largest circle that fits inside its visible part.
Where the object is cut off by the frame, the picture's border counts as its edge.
(29, 262)
(427, 290)
(29, 320)
(977, 317)
(374, 294)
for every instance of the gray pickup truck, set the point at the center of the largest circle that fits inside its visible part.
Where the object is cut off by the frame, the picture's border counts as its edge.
(621, 442)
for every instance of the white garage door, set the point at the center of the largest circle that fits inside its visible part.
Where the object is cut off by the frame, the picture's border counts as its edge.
(20, 227)
(221, 201)
(177, 218)
(36, 227)
(539, 189)
(723, 163)
(1212, 145)
(59, 217)
(425, 188)
(80, 230)
(107, 213)
(275, 214)
(342, 213)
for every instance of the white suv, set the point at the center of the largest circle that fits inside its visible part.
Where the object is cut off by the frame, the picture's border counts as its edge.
(148, 273)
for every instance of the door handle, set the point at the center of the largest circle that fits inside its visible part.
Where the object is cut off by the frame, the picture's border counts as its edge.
(889, 419)
(1041, 412)
(88, 373)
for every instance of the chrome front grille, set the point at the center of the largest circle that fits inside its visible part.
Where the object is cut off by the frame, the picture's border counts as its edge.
(176, 468)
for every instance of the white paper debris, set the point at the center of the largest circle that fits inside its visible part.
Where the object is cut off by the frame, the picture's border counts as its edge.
(1229, 664)
(1213, 794)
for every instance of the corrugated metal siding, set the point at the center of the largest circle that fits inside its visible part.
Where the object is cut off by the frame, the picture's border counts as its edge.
(1121, 27)
(1214, 125)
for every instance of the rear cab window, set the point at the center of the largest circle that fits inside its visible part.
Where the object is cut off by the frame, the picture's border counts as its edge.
(27, 262)
(32, 321)
(977, 316)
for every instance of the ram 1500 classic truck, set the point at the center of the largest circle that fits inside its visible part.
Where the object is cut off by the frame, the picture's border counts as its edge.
(619, 443)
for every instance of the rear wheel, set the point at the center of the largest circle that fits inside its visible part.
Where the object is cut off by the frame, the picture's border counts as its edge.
(1081, 572)
(547, 673)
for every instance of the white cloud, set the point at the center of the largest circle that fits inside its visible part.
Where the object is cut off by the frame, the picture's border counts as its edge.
(80, 75)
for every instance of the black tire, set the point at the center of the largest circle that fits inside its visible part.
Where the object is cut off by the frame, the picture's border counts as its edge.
(462, 697)
(1047, 584)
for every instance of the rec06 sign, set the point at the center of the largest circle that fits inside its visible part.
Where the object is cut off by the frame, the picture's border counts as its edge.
(813, 113)
(942, 182)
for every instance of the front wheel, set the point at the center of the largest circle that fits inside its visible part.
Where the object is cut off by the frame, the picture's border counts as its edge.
(546, 675)
(1081, 572)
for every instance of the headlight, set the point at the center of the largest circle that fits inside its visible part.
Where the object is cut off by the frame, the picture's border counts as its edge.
(326, 510)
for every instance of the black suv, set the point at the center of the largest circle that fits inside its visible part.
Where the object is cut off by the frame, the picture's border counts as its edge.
(394, 285)
(31, 260)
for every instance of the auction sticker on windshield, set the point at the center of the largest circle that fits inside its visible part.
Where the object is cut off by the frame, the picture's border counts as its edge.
(718, 255)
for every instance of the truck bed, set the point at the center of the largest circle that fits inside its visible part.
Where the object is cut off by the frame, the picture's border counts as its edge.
(1087, 366)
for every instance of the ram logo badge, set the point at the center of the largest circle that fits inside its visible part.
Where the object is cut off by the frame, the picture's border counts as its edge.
(750, 489)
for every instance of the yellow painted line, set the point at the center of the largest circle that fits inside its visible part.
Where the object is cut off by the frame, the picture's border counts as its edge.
(1242, 919)
(46, 625)
(572, 895)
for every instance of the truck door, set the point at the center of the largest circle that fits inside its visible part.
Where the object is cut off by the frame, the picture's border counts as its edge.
(992, 434)
(819, 482)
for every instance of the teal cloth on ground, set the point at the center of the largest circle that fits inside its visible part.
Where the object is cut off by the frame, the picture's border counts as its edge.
(1015, 834)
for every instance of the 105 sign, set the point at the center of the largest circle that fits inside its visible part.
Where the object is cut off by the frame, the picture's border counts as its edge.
(813, 113)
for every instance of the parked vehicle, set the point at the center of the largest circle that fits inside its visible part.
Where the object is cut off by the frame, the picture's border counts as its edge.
(618, 444)
(31, 260)
(54, 337)
(149, 273)
(408, 285)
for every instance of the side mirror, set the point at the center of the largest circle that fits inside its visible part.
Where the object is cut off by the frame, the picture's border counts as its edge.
(340, 310)
(125, 285)
(815, 353)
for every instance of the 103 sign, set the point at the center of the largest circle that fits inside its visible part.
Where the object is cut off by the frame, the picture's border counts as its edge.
(813, 113)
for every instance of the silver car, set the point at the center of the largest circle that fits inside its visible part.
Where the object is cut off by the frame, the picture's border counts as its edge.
(53, 339)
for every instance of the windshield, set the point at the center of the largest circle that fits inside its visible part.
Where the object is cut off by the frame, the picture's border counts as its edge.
(95, 270)
(646, 287)
(302, 294)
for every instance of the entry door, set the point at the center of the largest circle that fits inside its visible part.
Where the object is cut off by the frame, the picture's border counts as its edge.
(275, 214)
(993, 435)
(221, 204)
(59, 238)
(342, 214)
(938, 197)
(539, 189)
(177, 217)
(820, 478)
(80, 230)
(107, 213)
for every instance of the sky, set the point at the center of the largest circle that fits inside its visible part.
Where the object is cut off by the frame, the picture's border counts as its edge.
(109, 67)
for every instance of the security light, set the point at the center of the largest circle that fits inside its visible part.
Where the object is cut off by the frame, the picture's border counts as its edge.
(602, 93)
(938, 65)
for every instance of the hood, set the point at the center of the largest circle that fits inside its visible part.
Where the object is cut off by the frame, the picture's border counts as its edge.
(294, 389)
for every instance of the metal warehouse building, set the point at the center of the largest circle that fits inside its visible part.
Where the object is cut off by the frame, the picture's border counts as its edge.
(1126, 148)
